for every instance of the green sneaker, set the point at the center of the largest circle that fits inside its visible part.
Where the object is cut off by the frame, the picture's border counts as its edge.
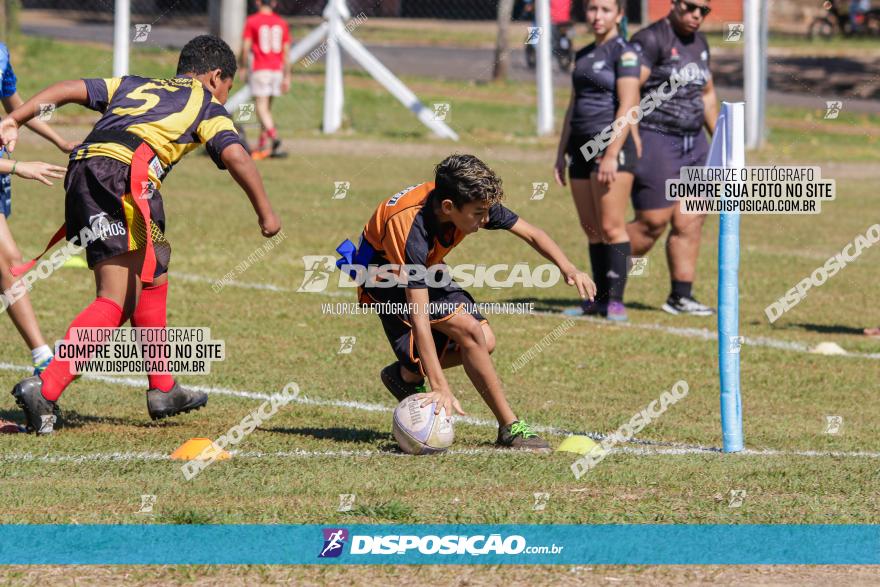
(399, 388)
(519, 435)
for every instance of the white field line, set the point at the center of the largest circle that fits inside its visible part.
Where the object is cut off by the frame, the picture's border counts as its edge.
(106, 457)
(701, 333)
(648, 446)
(250, 285)
(239, 284)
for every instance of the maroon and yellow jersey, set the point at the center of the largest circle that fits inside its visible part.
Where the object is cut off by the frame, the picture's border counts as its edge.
(404, 230)
(174, 116)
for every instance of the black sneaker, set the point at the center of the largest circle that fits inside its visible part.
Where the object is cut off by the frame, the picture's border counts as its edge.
(41, 415)
(276, 152)
(399, 388)
(179, 400)
(686, 305)
(520, 435)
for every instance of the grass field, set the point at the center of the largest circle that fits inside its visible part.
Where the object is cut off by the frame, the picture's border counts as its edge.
(592, 379)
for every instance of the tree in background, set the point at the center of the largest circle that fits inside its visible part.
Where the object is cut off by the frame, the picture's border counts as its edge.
(502, 50)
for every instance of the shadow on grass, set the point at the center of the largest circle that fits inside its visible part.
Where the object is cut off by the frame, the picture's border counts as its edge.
(828, 328)
(73, 419)
(358, 435)
(558, 305)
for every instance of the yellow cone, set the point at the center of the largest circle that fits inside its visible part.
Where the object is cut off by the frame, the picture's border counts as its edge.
(76, 262)
(199, 448)
(577, 444)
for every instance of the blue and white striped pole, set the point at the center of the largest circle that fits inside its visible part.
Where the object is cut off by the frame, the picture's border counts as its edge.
(728, 150)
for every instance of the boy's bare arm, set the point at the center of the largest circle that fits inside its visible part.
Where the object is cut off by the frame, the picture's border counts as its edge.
(418, 301)
(285, 67)
(66, 92)
(10, 103)
(242, 169)
(541, 242)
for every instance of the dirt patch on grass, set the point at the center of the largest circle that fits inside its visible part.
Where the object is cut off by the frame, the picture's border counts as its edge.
(471, 576)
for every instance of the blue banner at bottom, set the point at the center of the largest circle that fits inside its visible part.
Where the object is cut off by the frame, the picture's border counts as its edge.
(441, 544)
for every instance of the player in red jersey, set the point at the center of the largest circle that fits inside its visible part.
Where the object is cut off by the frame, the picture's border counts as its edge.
(266, 40)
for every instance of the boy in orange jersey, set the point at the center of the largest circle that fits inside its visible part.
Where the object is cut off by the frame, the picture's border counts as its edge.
(443, 328)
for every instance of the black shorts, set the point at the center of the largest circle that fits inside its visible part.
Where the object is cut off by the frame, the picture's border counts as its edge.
(99, 197)
(663, 156)
(445, 303)
(580, 168)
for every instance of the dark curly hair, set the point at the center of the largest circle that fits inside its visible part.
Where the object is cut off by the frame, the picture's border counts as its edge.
(206, 53)
(464, 178)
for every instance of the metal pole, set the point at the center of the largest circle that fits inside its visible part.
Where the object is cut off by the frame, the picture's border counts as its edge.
(544, 68)
(396, 87)
(121, 28)
(728, 150)
(755, 70)
(232, 16)
(334, 97)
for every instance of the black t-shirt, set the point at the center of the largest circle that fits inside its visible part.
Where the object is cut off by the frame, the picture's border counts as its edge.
(666, 53)
(594, 79)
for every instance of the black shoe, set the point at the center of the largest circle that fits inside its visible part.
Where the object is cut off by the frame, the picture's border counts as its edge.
(399, 388)
(520, 435)
(179, 400)
(41, 415)
(276, 149)
(686, 305)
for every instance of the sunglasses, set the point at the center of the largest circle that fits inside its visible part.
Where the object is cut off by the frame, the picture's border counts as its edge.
(690, 7)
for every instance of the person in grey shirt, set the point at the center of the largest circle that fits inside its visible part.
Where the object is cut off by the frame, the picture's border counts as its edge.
(672, 137)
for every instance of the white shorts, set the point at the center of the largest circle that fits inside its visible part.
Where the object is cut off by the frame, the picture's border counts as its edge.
(265, 82)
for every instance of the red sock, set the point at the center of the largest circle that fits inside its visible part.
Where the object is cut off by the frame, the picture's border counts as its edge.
(102, 313)
(151, 313)
(264, 136)
(273, 134)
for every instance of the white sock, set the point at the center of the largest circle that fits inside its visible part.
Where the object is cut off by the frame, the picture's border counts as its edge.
(40, 354)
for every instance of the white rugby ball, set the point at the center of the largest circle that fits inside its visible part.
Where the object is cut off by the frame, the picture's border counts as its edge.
(418, 430)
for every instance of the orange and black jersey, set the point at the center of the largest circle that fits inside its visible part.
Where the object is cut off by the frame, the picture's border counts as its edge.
(174, 116)
(405, 230)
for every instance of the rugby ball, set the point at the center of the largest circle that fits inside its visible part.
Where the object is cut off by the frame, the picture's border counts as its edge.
(418, 430)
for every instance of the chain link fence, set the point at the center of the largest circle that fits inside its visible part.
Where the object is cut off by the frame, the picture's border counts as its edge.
(189, 11)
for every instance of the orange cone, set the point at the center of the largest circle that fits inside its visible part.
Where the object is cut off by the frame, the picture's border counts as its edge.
(202, 449)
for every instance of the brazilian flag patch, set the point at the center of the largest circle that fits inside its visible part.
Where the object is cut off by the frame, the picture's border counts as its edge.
(629, 59)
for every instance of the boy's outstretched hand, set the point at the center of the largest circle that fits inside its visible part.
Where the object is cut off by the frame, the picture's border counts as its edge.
(39, 171)
(270, 225)
(8, 133)
(585, 286)
(443, 399)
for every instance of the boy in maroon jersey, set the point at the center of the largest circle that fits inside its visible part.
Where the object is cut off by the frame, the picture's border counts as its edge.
(112, 187)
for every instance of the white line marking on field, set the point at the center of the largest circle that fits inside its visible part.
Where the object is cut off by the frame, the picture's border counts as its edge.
(645, 446)
(701, 333)
(312, 454)
(706, 334)
(239, 284)
(258, 286)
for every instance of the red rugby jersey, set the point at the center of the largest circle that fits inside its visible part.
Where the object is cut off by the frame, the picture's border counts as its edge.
(268, 34)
